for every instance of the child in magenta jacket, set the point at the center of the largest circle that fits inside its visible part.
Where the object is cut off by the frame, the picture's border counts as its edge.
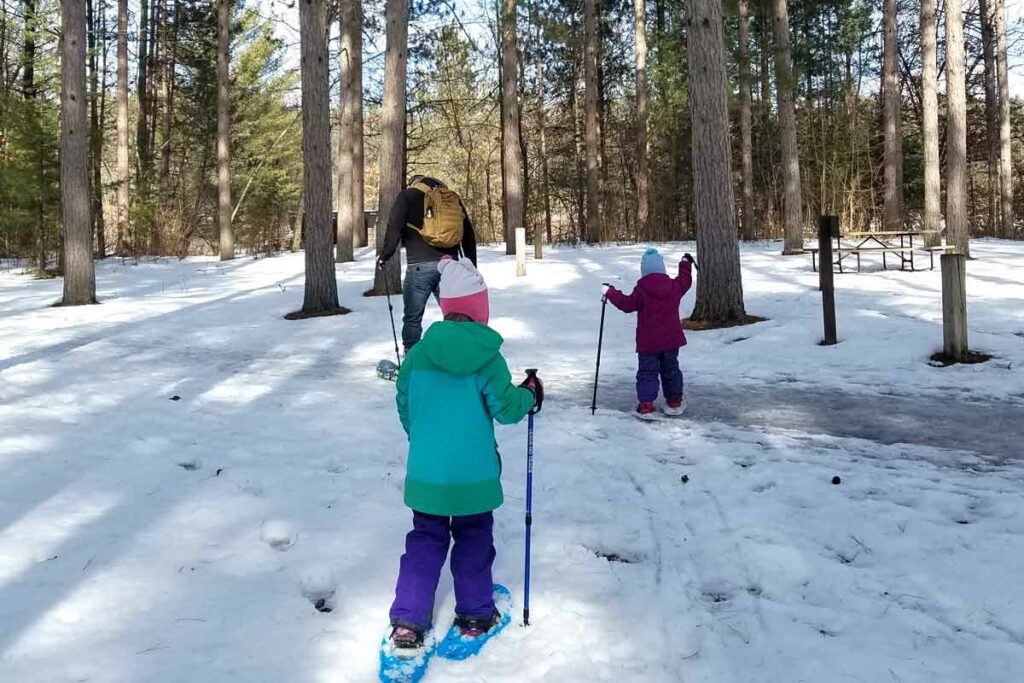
(659, 331)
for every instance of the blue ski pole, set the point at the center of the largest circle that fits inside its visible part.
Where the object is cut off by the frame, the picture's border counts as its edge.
(529, 509)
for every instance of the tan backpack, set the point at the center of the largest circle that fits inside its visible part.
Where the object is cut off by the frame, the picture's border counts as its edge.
(442, 216)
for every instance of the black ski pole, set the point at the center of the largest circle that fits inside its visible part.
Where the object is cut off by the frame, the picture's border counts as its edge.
(690, 259)
(600, 340)
(391, 309)
(529, 509)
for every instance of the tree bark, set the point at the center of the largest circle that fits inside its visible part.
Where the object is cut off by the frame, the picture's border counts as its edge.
(321, 292)
(720, 287)
(1005, 140)
(538, 237)
(930, 124)
(746, 127)
(893, 177)
(392, 150)
(142, 91)
(512, 156)
(95, 129)
(349, 210)
(351, 224)
(592, 51)
(28, 84)
(956, 130)
(79, 272)
(227, 240)
(792, 200)
(987, 18)
(170, 59)
(643, 173)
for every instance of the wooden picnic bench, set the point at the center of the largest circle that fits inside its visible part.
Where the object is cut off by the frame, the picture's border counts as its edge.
(881, 242)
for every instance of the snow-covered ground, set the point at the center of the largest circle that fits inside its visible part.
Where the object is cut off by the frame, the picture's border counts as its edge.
(183, 473)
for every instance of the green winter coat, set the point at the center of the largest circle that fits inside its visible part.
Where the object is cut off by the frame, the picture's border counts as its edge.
(452, 386)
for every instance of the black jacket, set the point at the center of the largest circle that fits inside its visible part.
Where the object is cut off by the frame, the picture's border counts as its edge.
(408, 208)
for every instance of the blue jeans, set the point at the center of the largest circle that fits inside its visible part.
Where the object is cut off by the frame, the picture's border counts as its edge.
(421, 281)
(426, 548)
(655, 366)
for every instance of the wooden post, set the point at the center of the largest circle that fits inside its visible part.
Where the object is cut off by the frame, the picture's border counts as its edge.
(828, 229)
(954, 306)
(520, 252)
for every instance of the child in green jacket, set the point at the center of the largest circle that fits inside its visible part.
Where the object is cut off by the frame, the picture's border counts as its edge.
(451, 388)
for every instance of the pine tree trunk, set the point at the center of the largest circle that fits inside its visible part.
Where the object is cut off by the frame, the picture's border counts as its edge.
(79, 272)
(392, 150)
(956, 130)
(592, 51)
(719, 287)
(95, 130)
(512, 153)
(746, 127)
(785, 84)
(643, 173)
(538, 237)
(350, 211)
(352, 117)
(321, 293)
(893, 180)
(170, 59)
(991, 115)
(1005, 140)
(227, 240)
(142, 92)
(930, 125)
(28, 85)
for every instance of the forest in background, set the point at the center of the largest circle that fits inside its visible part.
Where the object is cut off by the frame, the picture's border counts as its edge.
(454, 118)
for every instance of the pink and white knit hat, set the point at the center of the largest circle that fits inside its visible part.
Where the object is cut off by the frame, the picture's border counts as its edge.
(463, 290)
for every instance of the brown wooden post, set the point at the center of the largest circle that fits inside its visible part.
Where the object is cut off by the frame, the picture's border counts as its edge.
(954, 306)
(828, 229)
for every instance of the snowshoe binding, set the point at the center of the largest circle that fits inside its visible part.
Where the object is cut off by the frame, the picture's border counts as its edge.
(467, 636)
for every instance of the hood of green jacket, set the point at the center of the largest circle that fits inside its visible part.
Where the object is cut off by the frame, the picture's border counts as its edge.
(460, 348)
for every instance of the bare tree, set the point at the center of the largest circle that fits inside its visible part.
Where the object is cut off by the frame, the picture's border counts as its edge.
(142, 142)
(392, 147)
(538, 238)
(720, 287)
(592, 52)
(1005, 141)
(28, 84)
(321, 291)
(893, 152)
(956, 130)
(746, 127)
(785, 84)
(988, 42)
(79, 271)
(930, 124)
(227, 240)
(123, 169)
(96, 94)
(350, 135)
(512, 150)
(643, 173)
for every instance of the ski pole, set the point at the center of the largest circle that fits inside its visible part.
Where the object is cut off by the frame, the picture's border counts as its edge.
(529, 509)
(391, 310)
(690, 259)
(600, 340)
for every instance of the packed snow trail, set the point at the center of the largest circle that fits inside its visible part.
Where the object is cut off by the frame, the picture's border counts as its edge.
(993, 430)
(184, 476)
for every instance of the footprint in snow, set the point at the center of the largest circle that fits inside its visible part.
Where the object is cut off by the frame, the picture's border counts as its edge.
(278, 535)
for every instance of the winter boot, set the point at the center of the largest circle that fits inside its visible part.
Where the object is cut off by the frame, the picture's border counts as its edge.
(474, 627)
(675, 408)
(406, 641)
(645, 410)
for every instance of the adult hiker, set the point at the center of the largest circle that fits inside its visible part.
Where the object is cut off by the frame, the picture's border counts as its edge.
(431, 221)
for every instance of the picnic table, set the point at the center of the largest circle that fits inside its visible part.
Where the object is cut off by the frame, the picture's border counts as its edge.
(880, 242)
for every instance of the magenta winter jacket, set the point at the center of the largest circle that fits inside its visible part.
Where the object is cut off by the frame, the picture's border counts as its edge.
(656, 299)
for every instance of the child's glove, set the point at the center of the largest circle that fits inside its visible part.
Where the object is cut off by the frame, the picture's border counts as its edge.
(533, 383)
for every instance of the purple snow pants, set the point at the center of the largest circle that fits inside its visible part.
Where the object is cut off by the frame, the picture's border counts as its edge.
(426, 548)
(652, 366)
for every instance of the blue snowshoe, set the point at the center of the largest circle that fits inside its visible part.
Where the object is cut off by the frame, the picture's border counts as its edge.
(467, 637)
(405, 659)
